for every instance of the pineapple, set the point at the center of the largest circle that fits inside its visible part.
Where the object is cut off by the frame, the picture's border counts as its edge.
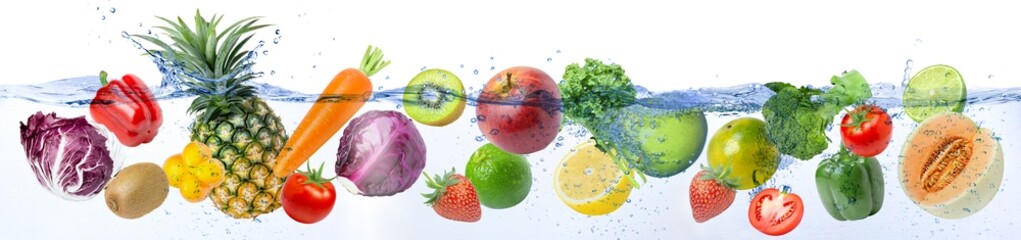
(240, 129)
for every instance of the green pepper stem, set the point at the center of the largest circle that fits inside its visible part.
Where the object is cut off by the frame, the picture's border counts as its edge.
(102, 78)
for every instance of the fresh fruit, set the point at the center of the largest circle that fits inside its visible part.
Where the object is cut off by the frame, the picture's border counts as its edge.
(434, 97)
(307, 197)
(195, 172)
(741, 146)
(128, 109)
(933, 90)
(589, 181)
(951, 167)
(866, 130)
(774, 212)
(851, 186)
(453, 197)
(711, 192)
(340, 100)
(502, 179)
(137, 190)
(240, 129)
(518, 110)
(659, 143)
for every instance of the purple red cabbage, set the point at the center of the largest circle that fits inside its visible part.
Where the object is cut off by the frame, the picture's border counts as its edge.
(68, 155)
(381, 153)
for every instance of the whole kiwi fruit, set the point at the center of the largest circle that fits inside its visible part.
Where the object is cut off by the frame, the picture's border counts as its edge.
(137, 190)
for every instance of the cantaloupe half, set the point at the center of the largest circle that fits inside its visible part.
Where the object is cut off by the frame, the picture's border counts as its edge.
(950, 166)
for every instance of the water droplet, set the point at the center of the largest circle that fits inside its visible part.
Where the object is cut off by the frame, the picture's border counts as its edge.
(139, 24)
(473, 120)
(476, 72)
(549, 59)
(588, 171)
(265, 52)
(103, 18)
(494, 132)
(491, 68)
(558, 50)
(918, 42)
(113, 10)
(276, 40)
(480, 138)
(398, 106)
(277, 32)
(272, 72)
(422, 69)
(380, 88)
(313, 66)
(125, 34)
(490, 58)
(462, 65)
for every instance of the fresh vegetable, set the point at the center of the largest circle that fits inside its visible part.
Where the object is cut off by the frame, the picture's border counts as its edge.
(381, 154)
(660, 143)
(851, 186)
(933, 90)
(951, 167)
(137, 190)
(453, 197)
(434, 97)
(741, 147)
(588, 181)
(774, 212)
(711, 192)
(866, 130)
(340, 100)
(240, 129)
(195, 172)
(307, 197)
(796, 122)
(518, 110)
(128, 109)
(68, 155)
(502, 179)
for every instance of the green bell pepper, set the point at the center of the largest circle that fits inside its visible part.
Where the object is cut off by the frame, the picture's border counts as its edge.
(851, 186)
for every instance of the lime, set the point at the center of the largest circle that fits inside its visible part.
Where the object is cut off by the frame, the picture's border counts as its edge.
(741, 146)
(589, 181)
(934, 89)
(501, 179)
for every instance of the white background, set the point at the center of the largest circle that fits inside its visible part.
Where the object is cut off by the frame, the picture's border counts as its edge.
(663, 46)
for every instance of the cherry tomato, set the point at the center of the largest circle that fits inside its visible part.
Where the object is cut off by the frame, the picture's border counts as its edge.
(775, 213)
(866, 131)
(307, 198)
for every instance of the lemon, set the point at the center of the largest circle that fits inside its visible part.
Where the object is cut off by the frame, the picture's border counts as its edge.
(589, 181)
(934, 89)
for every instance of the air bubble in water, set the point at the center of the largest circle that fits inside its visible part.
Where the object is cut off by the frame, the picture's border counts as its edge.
(113, 10)
(476, 72)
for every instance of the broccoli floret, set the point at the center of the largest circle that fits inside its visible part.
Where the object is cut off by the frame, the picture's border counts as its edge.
(589, 92)
(797, 123)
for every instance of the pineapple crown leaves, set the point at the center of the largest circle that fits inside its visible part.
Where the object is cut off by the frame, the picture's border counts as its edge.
(721, 175)
(215, 59)
(439, 185)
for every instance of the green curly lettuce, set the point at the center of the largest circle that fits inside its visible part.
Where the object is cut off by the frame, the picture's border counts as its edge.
(796, 122)
(591, 91)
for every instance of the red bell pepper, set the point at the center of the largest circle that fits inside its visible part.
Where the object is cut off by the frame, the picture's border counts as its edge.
(128, 109)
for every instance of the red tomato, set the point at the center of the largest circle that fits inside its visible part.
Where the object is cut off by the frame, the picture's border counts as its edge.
(775, 213)
(866, 131)
(308, 201)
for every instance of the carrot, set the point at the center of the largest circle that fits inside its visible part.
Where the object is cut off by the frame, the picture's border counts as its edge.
(341, 99)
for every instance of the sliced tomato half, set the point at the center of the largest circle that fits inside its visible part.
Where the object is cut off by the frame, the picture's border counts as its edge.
(774, 212)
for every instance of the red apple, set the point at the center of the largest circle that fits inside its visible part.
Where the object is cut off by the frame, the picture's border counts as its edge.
(519, 110)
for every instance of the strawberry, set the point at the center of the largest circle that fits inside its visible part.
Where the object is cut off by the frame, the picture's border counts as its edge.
(711, 193)
(454, 197)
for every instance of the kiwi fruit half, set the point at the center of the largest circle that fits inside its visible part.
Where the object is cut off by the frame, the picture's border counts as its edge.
(435, 97)
(137, 190)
